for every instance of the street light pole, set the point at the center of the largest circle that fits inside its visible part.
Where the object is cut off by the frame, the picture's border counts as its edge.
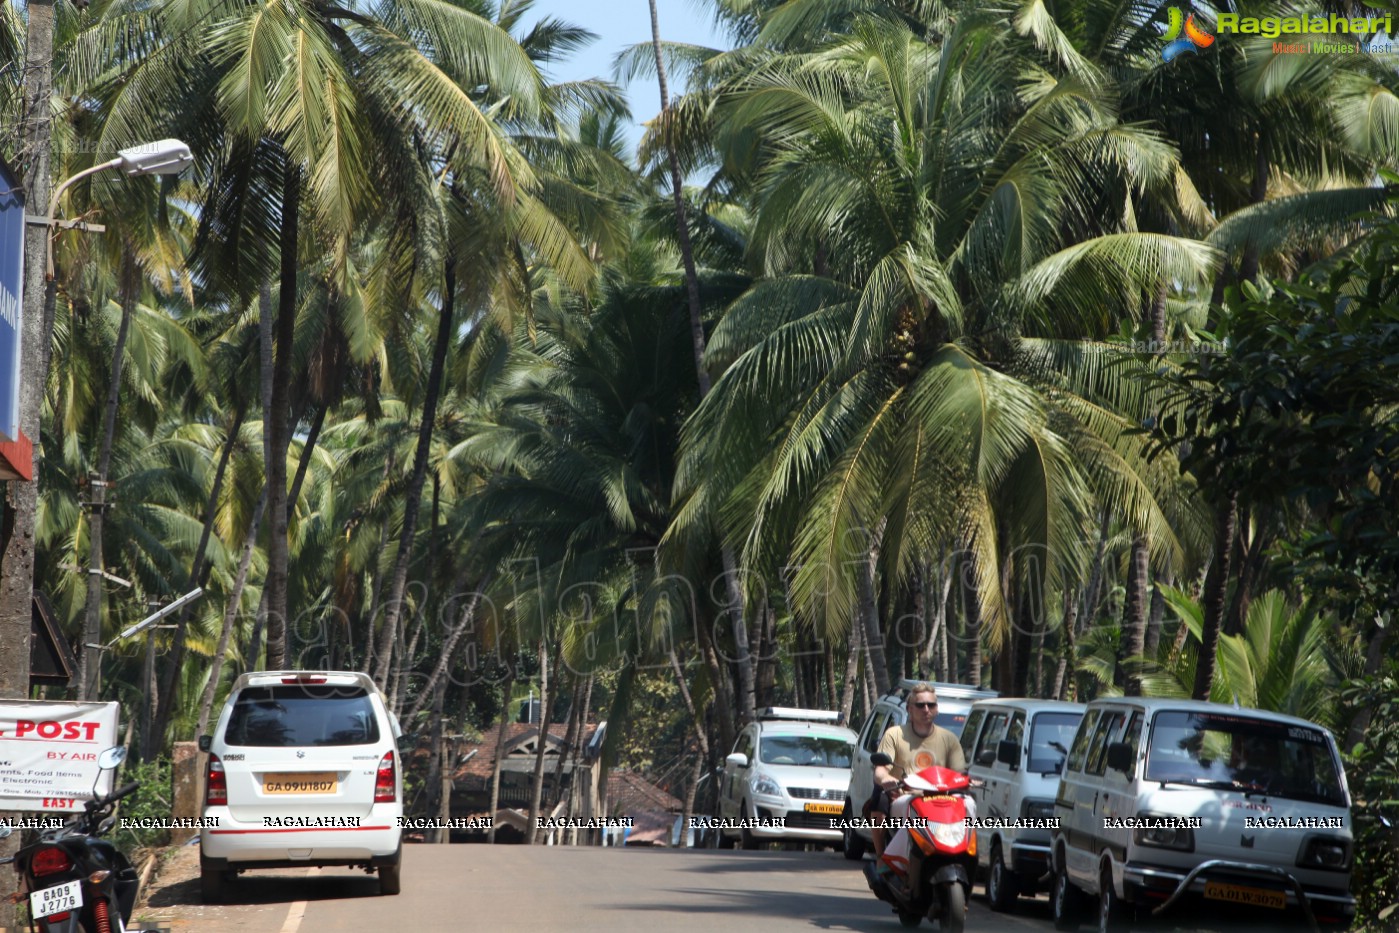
(167, 157)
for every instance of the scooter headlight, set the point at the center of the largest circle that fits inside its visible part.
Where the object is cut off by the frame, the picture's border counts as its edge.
(949, 834)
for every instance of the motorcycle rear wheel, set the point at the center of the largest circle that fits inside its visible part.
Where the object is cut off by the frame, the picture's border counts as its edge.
(909, 919)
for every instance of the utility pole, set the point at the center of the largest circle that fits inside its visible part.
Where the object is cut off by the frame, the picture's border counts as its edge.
(21, 499)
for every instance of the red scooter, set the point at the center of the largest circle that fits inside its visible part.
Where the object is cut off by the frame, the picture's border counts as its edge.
(935, 878)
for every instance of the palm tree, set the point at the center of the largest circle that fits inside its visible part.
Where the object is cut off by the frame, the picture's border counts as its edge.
(901, 405)
(324, 109)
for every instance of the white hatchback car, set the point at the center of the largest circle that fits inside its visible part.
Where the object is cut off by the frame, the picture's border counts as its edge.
(786, 779)
(303, 770)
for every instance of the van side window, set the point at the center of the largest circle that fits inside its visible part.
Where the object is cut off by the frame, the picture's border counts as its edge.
(970, 730)
(1016, 730)
(1085, 732)
(870, 742)
(995, 731)
(1098, 752)
(1133, 735)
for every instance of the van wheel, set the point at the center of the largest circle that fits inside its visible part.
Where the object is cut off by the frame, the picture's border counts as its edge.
(390, 878)
(852, 843)
(1065, 898)
(1002, 884)
(724, 842)
(212, 886)
(1112, 913)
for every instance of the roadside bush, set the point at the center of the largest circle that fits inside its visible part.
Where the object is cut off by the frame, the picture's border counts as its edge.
(151, 801)
(1373, 768)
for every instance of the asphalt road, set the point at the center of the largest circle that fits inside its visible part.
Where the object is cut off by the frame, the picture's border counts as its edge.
(520, 888)
(557, 888)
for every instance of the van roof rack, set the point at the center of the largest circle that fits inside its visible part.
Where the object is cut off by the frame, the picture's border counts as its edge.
(800, 715)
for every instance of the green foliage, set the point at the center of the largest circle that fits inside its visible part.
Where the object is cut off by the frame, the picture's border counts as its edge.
(1373, 768)
(153, 800)
(1299, 413)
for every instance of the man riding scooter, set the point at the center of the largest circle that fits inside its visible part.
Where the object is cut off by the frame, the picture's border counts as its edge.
(917, 744)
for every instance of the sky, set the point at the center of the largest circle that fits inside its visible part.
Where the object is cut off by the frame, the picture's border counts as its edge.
(622, 23)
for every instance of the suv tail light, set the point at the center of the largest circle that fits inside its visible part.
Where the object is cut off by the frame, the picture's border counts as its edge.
(303, 679)
(48, 861)
(215, 784)
(385, 784)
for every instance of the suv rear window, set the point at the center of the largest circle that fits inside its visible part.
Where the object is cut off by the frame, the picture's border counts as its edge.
(302, 715)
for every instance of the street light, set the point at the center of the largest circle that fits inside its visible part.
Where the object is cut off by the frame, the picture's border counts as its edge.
(167, 157)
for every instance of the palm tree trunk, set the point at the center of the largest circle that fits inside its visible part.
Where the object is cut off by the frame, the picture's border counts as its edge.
(830, 672)
(689, 810)
(278, 552)
(1063, 674)
(500, 750)
(869, 614)
(173, 664)
(1134, 618)
(1155, 615)
(414, 493)
(1216, 583)
(230, 614)
(695, 719)
(546, 696)
(444, 657)
(438, 763)
(307, 450)
(852, 670)
(973, 631)
(91, 664)
(719, 679)
(746, 690)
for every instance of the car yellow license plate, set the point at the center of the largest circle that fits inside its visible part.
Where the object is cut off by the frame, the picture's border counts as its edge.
(831, 808)
(1238, 894)
(300, 782)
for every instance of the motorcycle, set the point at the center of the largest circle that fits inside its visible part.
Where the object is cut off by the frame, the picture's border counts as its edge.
(75, 880)
(935, 878)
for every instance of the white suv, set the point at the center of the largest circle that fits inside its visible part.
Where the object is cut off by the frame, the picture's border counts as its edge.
(785, 779)
(303, 770)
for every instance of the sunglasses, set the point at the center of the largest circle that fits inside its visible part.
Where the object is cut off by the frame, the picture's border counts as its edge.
(924, 705)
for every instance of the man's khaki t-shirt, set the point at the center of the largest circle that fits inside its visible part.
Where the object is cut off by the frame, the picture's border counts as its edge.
(912, 753)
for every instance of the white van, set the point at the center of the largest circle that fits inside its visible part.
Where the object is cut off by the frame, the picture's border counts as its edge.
(954, 704)
(1168, 804)
(303, 770)
(1016, 748)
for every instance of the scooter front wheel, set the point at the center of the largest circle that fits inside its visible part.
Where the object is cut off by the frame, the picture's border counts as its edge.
(954, 909)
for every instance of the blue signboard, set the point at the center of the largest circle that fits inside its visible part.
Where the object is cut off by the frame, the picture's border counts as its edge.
(11, 299)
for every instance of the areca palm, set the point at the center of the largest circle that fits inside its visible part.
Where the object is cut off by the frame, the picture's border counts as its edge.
(947, 199)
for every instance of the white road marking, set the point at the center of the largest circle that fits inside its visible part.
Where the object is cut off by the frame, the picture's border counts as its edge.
(294, 915)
